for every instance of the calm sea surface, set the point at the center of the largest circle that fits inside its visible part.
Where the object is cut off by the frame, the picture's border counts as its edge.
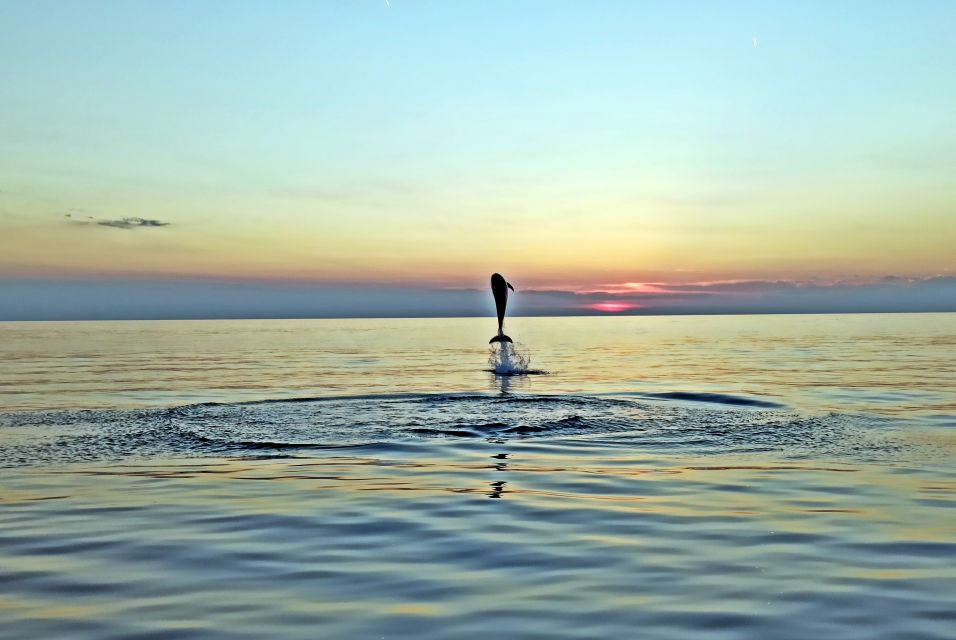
(676, 477)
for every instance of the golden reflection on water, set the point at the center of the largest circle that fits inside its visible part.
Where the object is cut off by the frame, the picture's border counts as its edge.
(891, 363)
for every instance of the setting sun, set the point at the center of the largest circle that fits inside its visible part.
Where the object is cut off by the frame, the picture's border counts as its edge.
(612, 307)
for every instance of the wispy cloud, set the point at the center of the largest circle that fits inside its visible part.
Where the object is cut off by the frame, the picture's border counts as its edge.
(132, 223)
(120, 223)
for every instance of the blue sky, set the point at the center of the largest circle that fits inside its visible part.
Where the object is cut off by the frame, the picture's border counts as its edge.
(573, 146)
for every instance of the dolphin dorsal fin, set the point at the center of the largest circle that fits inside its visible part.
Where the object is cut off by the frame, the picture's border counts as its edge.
(509, 286)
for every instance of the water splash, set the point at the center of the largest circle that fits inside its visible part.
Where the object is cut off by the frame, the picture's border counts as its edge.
(506, 359)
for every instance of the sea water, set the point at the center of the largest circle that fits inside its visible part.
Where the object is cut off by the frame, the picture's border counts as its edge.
(661, 477)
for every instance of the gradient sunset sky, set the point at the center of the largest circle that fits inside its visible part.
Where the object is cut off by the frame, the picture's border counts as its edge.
(610, 152)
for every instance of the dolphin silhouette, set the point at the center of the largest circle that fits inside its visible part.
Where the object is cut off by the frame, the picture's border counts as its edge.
(499, 288)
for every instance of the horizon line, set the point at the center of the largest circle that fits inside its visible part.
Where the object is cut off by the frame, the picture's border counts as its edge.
(466, 317)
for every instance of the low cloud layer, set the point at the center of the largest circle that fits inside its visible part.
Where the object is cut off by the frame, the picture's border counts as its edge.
(50, 299)
(889, 294)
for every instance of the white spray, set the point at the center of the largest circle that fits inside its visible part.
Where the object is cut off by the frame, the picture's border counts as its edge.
(505, 359)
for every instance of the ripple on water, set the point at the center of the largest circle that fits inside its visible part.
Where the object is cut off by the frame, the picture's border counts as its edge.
(582, 540)
(297, 427)
(464, 516)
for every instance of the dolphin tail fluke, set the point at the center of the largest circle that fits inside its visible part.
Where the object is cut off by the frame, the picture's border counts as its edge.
(501, 338)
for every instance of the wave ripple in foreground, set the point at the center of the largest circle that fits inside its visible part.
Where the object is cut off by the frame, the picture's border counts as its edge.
(675, 423)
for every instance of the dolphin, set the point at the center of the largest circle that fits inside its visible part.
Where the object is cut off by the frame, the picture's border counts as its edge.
(499, 288)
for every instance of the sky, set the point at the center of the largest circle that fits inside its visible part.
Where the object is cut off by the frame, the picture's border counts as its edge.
(351, 158)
